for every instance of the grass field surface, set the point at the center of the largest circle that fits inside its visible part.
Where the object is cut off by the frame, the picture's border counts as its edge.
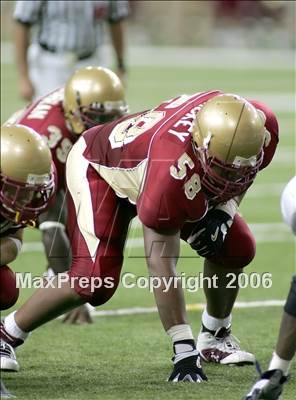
(128, 356)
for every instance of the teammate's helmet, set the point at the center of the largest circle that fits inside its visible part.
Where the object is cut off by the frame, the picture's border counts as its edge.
(93, 95)
(228, 136)
(27, 174)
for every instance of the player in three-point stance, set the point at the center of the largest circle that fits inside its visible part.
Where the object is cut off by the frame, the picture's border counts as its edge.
(183, 167)
(91, 96)
(26, 187)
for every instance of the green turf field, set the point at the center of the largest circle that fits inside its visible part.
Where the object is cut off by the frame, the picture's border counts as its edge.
(128, 357)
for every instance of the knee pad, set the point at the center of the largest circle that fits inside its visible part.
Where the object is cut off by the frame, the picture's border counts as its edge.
(96, 282)
(9, 293)
(240, 246)
(290, 306)
(102, 296)
(94, 290)
(237, 252)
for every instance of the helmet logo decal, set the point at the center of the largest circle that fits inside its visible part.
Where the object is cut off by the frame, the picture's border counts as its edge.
(34, 179)
(245, 162)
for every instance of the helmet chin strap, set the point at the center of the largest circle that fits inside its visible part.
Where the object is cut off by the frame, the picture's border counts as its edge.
(30, 223)
(17, 217)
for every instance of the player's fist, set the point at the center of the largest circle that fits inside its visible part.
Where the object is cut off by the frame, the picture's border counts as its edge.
(209, 234)
(9, 293)
(187, 368)
(79, 316)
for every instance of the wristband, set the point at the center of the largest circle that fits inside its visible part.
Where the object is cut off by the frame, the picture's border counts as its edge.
(230, 207)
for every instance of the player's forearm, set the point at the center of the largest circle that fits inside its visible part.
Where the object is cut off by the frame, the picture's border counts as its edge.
(162, 251)
(21, 41)
(170, 303)
(57, 249)
(117, 37)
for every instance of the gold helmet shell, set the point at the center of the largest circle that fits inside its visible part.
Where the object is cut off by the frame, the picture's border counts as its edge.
(229, 134)
(93, 95)
(27, 178)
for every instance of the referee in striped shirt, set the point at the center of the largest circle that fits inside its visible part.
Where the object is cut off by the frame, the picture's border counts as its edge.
(68, 35)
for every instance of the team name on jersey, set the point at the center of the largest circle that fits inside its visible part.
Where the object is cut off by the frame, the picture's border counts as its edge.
(187, 122)
(44, 106)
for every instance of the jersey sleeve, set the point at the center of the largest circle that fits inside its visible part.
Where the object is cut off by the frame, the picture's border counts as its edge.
(156, 205)
(272, 127)
(163, 203)
(27, 12)
(53, 130)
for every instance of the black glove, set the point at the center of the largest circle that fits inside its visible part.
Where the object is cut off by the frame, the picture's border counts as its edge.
(187, 368)
(208, 235)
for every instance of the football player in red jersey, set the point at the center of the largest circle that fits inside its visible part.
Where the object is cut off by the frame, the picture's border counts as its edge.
(91, 96)
(183, 167)
(26, 188)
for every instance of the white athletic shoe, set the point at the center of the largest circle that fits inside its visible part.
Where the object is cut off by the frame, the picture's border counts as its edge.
(8, 359)
(222, 348)
(269, 386)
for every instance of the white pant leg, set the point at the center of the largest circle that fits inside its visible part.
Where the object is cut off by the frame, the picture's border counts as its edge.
(78, 185)
(51, 70)
(288, 204)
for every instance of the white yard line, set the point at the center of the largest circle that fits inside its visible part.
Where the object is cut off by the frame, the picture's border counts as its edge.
(190, 307)
(209, 58)
(264, 233)
(202, 57)
(265, 189)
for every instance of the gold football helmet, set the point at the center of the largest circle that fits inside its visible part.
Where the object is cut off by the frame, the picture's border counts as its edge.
(93, 95)
(27, 174)
(228, 136)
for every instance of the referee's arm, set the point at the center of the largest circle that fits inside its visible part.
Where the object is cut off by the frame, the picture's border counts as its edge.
(26, 13)
(21, 43)
(117, 38)
(118, 11)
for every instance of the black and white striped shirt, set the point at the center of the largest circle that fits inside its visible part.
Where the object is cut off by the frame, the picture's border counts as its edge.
(74, 26)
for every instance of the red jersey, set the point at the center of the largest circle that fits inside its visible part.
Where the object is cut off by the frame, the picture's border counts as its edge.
(148, 158)
(46, 117)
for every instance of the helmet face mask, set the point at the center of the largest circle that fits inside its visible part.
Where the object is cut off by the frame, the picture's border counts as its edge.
(87, 117)
(27, 174)
(221, 181)
(228, 138)
(22, 203)
(93, 96)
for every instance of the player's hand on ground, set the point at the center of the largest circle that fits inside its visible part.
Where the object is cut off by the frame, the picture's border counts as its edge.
(187, 368)
(80, 315)
(209, 234)
(268, 387)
